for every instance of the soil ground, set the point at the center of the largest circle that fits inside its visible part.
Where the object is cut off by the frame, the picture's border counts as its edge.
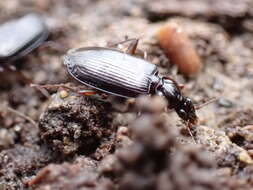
(73, 142)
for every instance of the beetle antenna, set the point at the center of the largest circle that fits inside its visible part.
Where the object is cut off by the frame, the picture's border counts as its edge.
(211, 100)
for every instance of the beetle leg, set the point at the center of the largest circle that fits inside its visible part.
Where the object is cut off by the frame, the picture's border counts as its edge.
(181, 86)
(141, 53)
(122, 42)
(132, 47)
(211, 100)
(86, 92)
(189, 127)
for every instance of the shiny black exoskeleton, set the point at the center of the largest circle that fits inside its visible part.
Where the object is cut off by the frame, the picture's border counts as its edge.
(121, 74)
(182, 105)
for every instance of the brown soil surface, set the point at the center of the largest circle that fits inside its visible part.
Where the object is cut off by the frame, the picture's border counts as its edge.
(73, 142)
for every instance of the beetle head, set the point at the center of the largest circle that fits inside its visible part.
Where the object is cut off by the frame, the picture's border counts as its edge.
(182, 105)
(186, 110)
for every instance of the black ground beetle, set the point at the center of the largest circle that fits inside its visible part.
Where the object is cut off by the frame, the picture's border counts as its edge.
(124, 75)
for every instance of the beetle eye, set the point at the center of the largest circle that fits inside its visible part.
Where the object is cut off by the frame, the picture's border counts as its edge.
(182, 114)
(188, 101)
(188, 104)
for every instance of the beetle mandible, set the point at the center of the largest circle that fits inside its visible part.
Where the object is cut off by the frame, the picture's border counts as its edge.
(119, 73)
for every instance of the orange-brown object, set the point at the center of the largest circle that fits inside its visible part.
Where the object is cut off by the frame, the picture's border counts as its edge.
(39, 177)
(179, 48)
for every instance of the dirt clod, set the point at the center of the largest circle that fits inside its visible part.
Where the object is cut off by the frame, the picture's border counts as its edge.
(75, 124)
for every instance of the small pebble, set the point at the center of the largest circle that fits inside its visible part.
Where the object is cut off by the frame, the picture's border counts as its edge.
(64, 94)
(223, 102)
(244, 157)
(122, 130)
(75, 123)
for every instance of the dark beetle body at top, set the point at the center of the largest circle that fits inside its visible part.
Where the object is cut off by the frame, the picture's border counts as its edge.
(124, 75)
(20, 36)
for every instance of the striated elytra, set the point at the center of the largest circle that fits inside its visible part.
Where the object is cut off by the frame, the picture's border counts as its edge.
(20, 36)
(124, 75)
